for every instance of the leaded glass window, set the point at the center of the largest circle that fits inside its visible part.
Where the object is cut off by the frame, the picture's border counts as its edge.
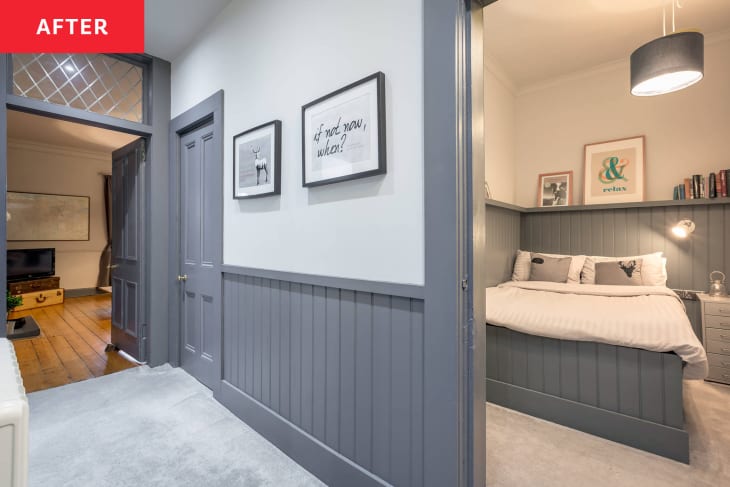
(92, 82)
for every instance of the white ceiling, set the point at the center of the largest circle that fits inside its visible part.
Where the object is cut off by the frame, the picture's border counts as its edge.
(172, 25)
(536, 40)
(44, 130)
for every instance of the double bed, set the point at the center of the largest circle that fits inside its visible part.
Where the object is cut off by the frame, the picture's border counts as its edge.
(605, 359)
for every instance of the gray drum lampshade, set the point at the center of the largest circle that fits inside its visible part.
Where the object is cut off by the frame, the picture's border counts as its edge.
(668, 64)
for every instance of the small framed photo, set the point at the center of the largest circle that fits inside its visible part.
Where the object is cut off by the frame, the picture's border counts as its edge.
(343, 133)
(555, 189)
(257, 161)
(614, 171)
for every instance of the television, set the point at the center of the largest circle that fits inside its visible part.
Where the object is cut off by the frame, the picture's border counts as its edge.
(24, 264)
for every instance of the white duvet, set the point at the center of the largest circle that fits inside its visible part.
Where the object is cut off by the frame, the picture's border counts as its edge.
(648, 317)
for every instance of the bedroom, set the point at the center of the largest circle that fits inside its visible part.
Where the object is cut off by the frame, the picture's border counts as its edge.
(550, 102)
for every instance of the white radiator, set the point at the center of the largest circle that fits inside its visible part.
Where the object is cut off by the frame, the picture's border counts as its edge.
(13, 421)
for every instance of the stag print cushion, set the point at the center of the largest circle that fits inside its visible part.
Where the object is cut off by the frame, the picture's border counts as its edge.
(550, 269)
(653, 268)
(620, 273)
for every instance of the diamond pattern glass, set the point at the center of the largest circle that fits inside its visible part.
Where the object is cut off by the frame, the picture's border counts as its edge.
(92, 82)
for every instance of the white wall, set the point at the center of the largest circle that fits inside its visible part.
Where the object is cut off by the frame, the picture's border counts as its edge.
(686, 132)
(270, 58)
(41, 168)
(499, 134)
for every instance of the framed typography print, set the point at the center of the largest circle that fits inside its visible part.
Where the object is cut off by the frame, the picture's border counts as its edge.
(257, 161)
(555, 189)
(614, 171)
(343, 133)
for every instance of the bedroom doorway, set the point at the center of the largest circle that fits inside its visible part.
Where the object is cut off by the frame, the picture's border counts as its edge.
(59, 248)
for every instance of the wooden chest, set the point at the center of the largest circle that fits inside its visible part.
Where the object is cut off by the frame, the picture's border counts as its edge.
(40, 298)
(34, 285)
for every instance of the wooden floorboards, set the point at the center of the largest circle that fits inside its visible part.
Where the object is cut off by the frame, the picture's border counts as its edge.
(71, 346)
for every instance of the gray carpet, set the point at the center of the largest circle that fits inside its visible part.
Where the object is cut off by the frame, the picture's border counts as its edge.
(526, 451)
(148, 427)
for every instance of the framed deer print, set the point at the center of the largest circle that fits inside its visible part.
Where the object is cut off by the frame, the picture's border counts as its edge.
(257, 161)
(343, 133)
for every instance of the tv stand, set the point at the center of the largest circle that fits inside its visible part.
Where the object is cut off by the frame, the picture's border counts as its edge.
(36, 293)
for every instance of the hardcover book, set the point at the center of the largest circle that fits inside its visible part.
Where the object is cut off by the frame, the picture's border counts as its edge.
(712, 186)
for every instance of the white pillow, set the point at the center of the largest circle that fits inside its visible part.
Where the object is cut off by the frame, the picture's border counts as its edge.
(653, 268)
(521, 270)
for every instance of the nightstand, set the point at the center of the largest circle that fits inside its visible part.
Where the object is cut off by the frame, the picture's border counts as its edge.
(716, 335)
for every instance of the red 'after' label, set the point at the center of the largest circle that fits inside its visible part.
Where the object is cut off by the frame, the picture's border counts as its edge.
(73, 26)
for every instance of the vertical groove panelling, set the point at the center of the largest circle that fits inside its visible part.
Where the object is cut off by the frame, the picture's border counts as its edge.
(637, 383)
(607, 383)
(286, 351)
(416, 391)
(333, 368)
(319, 365)
(307, 352)
(275, 360)
(381, 385)
(588, 373)
(295, 314)
(346, 378)
(345, 366)
(503, 230)
(634, 231)
(364, 379)
(400, 435)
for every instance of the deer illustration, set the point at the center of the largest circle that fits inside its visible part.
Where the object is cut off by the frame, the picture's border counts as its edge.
(628, 267)
(260, 163)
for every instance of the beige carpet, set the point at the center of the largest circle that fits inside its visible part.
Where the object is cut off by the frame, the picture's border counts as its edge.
(526, 451)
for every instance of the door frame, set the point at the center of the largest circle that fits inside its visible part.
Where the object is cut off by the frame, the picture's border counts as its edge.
(207, 111)
(155, 130)
(455, 400)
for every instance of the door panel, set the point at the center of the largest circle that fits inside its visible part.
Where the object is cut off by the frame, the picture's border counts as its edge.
(200, 208)
(127, 249)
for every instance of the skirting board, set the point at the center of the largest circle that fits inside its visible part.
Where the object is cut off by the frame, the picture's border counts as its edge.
(319, 459)
(655, 438)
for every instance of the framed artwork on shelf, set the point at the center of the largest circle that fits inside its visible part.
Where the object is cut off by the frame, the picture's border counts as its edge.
(343, 133)
(614, 171)
(257, 161)
(555, 189)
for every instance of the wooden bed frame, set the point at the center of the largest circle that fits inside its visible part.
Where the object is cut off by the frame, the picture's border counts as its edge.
(627, 395)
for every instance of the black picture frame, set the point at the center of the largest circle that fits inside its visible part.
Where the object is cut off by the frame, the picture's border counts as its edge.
(274, 186)
(379, 133)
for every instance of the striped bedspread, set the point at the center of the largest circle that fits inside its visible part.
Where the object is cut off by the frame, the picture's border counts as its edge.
(647, 317)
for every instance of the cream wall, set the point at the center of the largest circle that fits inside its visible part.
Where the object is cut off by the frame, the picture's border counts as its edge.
(686, 131)
(499, 134)
(40, 168)
(270, 58)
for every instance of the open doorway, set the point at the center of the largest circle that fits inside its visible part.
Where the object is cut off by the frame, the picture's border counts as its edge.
(63, 252)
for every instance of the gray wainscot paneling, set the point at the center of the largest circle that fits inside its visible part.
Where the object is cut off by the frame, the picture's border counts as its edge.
(616, 230)
(333, 375)
(502, 241)
(623, 394)
(640, 230)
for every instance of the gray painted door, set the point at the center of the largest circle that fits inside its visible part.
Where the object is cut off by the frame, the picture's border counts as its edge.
(200, 254)
(127, 276)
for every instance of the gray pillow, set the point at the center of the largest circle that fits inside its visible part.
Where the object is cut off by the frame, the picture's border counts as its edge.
(621, 273)
(551, 269)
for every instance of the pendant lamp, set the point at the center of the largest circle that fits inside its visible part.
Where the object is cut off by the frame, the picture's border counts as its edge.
(669, 63)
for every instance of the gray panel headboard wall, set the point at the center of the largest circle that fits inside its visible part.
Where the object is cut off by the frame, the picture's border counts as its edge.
(502, 240)
(624, 230)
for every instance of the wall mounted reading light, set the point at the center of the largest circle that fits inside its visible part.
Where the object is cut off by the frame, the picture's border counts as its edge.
(669, 63)
(684, 228)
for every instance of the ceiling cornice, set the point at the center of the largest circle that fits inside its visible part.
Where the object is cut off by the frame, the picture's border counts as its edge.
(710, 39)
